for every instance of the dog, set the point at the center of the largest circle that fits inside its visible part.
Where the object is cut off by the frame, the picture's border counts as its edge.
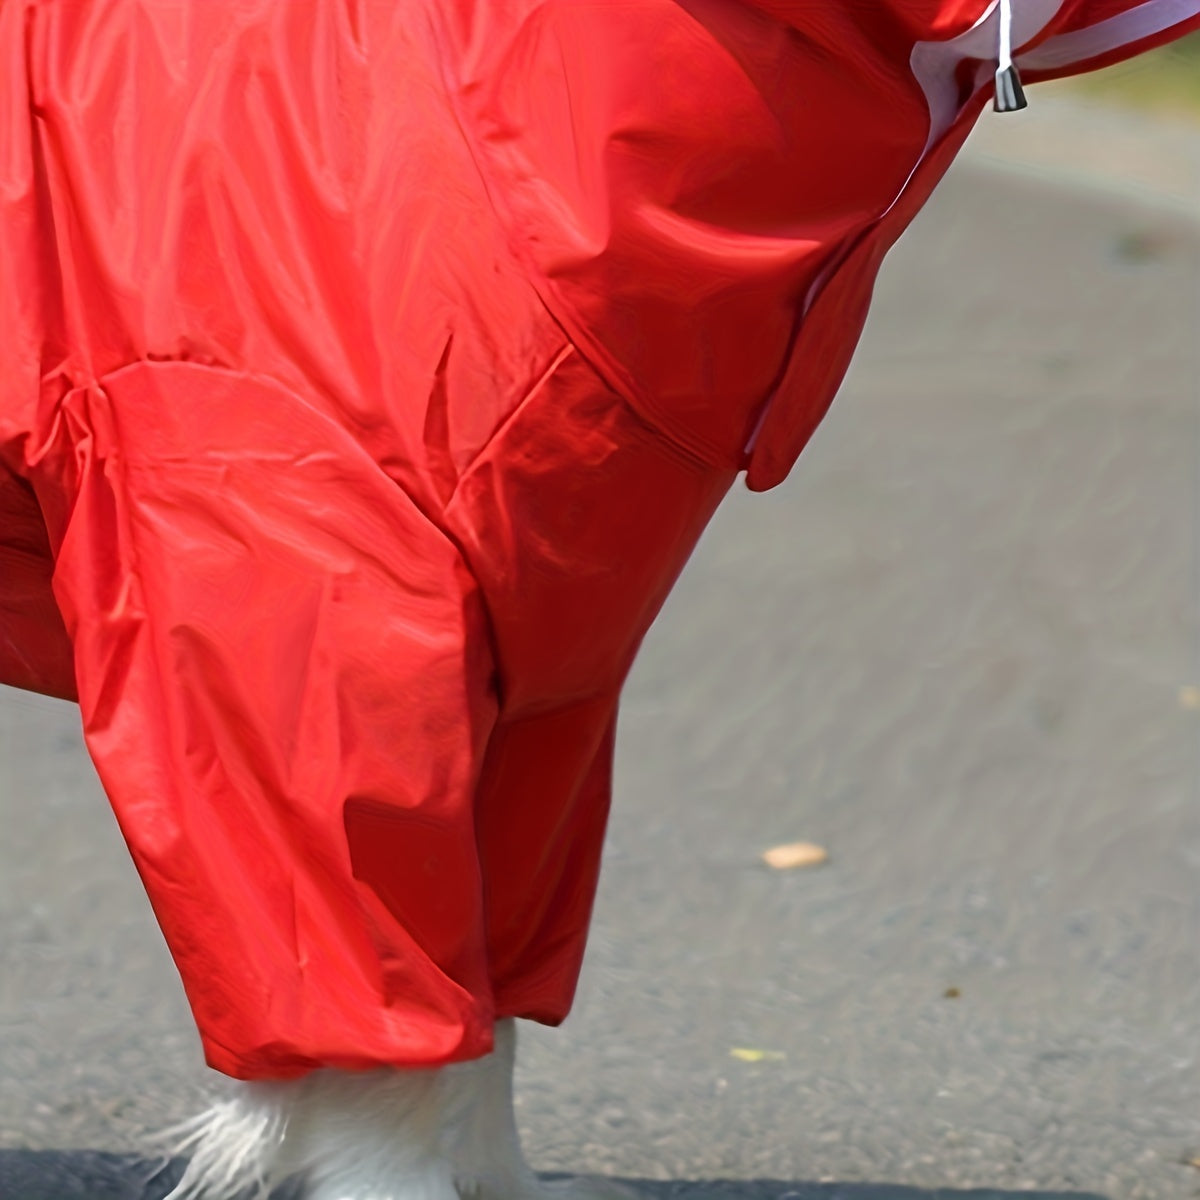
(372, 370)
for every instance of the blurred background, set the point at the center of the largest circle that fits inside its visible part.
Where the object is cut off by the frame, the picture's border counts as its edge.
(1165, 82)
(958, 650)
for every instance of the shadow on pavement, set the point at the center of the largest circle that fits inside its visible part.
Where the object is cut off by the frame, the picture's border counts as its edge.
(94, 1175)
(779, 1189)
(88, 1175)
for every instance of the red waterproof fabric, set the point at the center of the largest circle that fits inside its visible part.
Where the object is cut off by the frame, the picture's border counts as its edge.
(368, 372)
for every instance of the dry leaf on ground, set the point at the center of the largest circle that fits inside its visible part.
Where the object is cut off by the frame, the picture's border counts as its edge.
(795, 854)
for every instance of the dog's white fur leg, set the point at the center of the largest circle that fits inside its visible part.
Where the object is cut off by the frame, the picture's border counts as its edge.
(448, 1134)
(479, 1131)
(481, 1140)
(372, 1135)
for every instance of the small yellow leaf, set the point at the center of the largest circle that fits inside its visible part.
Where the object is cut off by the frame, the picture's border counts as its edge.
(1189, 696)
(754, 1056)
(795, 854)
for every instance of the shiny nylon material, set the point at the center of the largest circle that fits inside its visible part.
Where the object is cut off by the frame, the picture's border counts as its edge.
(369, 371)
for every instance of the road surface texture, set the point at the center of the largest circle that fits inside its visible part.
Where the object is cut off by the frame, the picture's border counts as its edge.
(958, 649)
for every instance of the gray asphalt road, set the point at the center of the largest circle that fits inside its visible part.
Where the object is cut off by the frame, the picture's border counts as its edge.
(955, 649)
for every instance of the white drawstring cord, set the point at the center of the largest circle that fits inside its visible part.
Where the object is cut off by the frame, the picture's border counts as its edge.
(1010, 97)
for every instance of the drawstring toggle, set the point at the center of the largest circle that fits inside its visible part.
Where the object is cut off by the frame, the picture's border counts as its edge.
(1010, 96)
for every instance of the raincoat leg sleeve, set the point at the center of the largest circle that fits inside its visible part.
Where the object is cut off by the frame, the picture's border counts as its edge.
(577, 519)
(286, 688)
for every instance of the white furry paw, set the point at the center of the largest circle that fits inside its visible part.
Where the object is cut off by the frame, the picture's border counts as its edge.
(339, 1135)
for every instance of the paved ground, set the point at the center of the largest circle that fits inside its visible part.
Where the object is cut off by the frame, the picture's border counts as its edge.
(955, 649)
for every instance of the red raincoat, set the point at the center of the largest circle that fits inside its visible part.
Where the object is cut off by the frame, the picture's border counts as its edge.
(368, 370)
